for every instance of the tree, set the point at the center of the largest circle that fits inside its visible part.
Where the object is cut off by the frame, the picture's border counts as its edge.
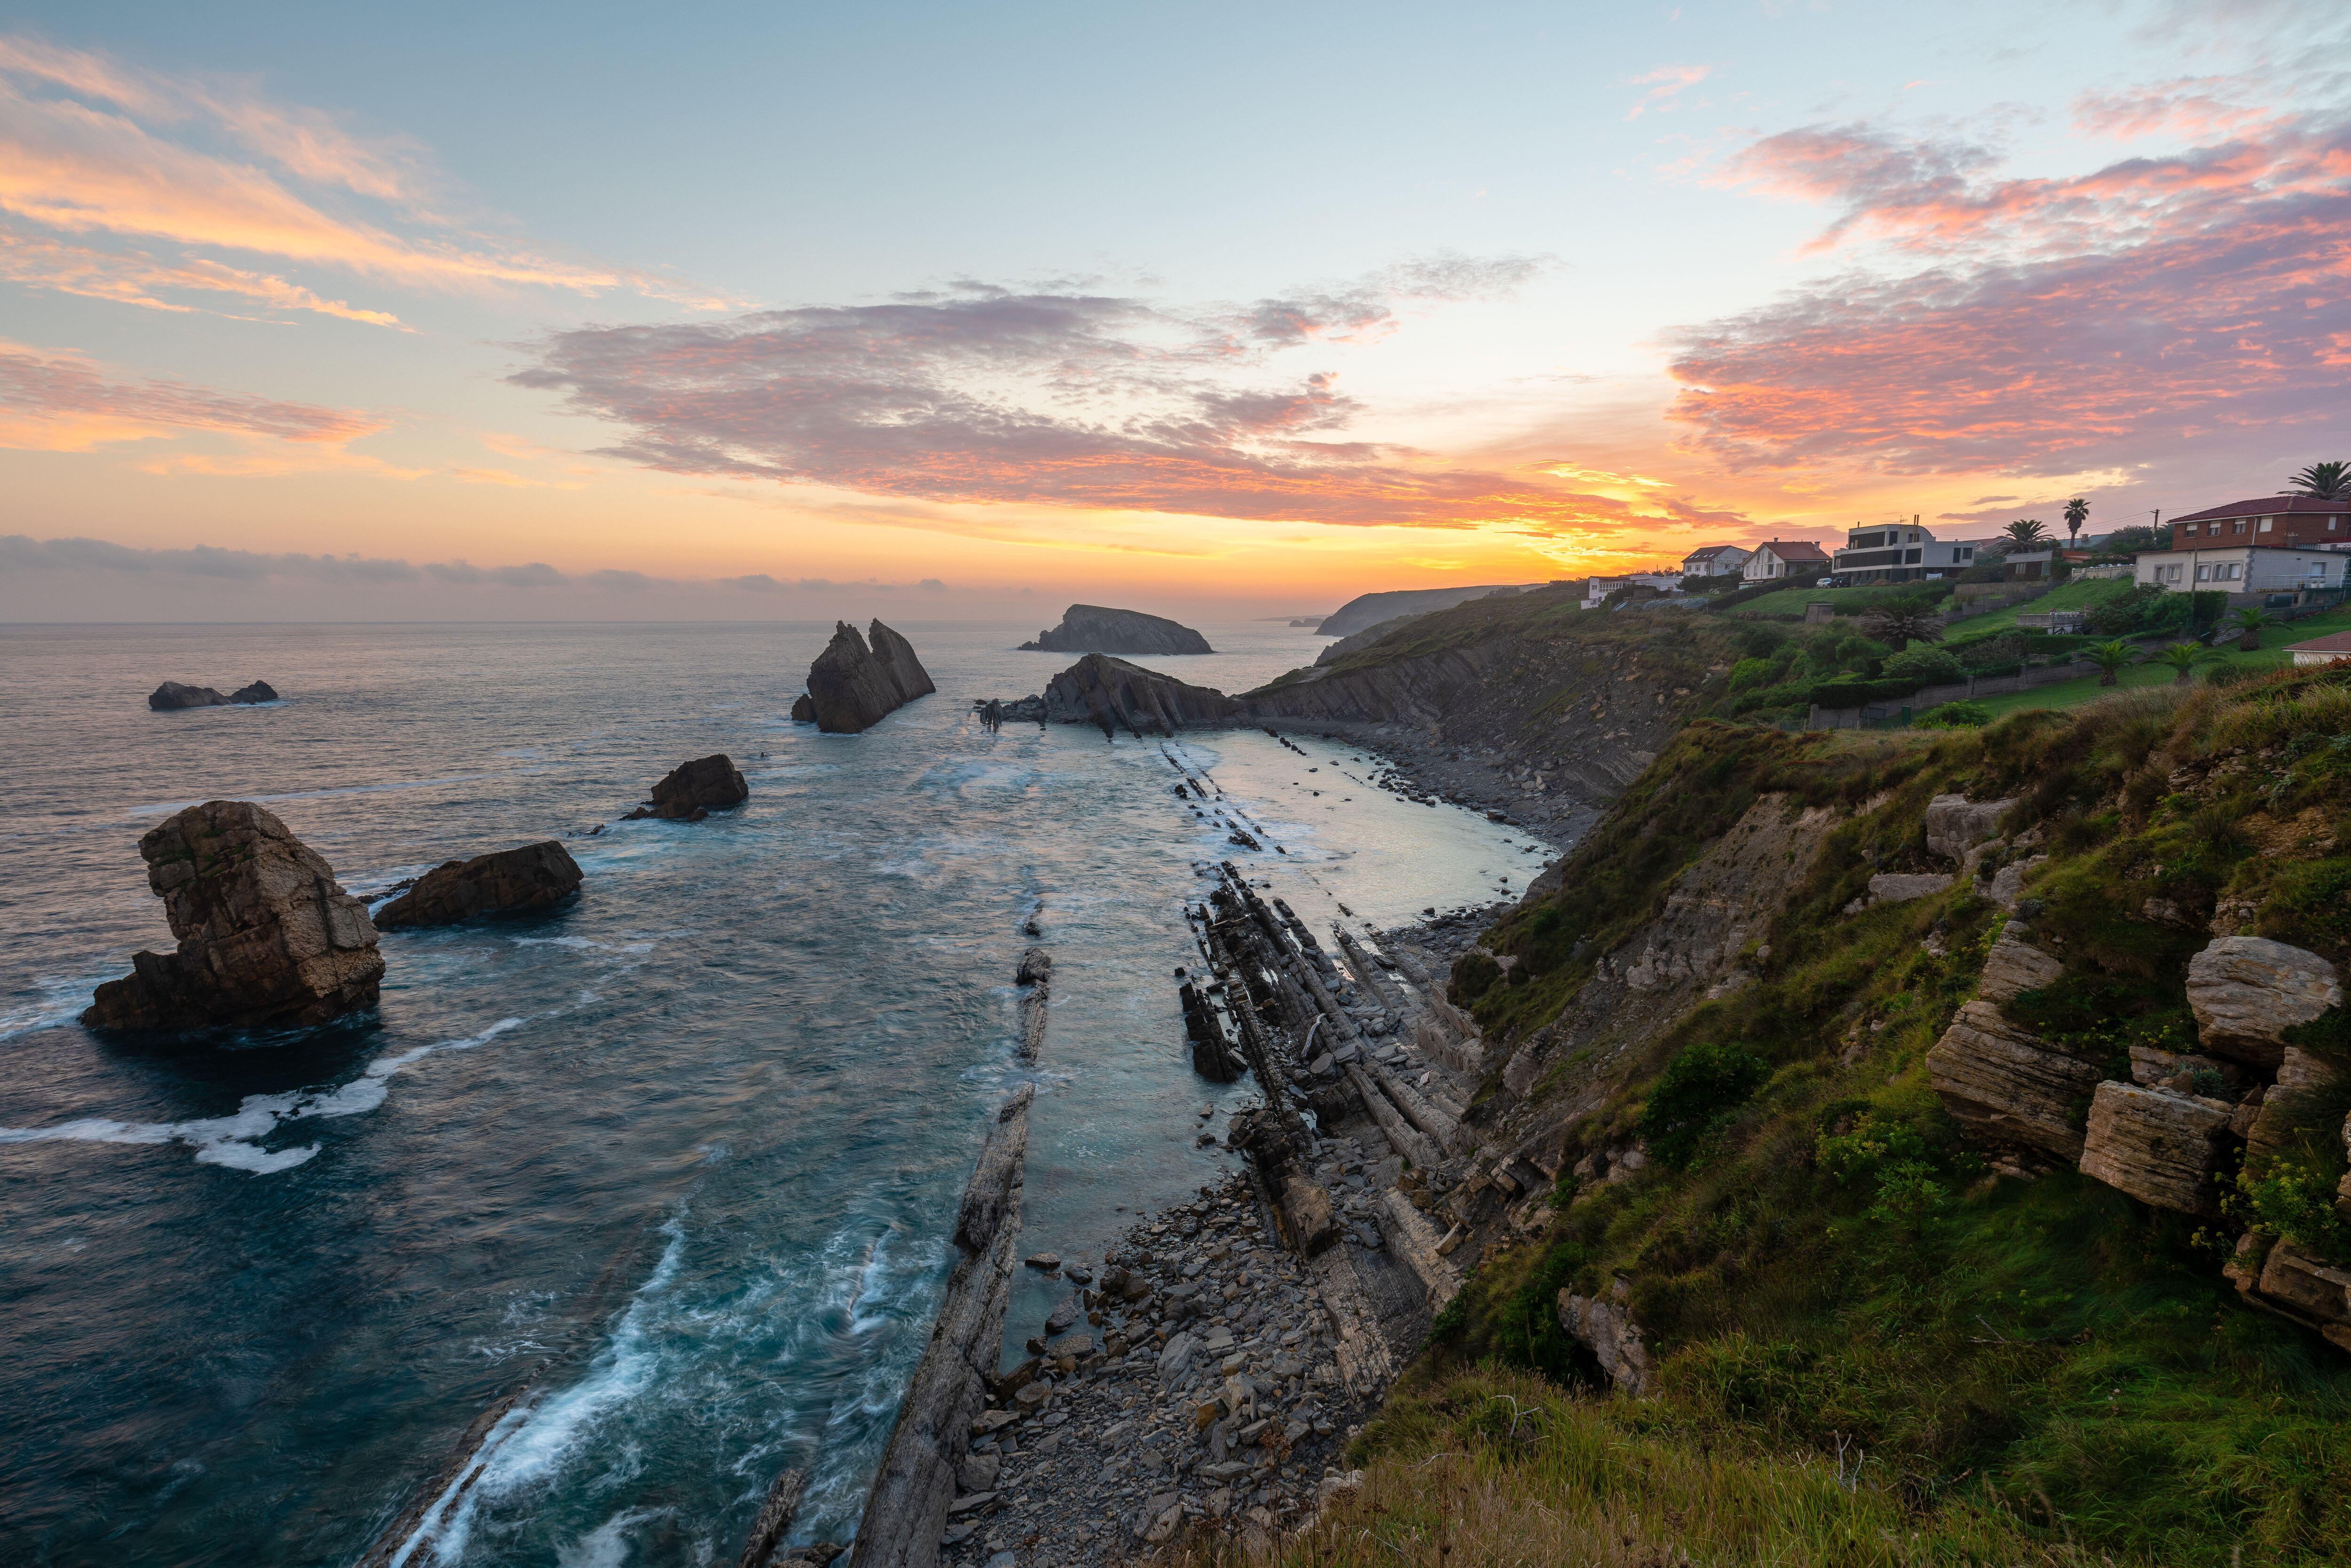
(1898, 622)
(2328, 481)
(2110, 658)
(2028, 532)
(2077, 512)
(2250, 622)
(2183, 658)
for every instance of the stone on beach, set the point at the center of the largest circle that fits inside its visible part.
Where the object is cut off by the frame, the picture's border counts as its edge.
(267, 936)
(505, 882)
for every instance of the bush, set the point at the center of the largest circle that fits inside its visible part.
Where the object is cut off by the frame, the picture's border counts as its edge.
(1928, 666)
(1696, 1098)
(1967, 714)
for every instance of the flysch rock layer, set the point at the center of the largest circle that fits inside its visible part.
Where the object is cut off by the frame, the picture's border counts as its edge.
(2009, 1086)
(852, 687)
(267, 936)
(505, 882)
(2247, 991)
(2161, 1147)
(1096, 629)
(1115, 694)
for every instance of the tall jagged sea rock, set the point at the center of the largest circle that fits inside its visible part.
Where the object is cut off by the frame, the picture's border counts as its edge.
(1097, 629)
(853, 686)
(267, 936)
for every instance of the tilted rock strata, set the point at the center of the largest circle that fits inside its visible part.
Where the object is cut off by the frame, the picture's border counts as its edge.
(2014, 967)
(852, 687)
(266, 938)
(2247, 991)
(1369, 609)
(505, 882)
(1115, 694)
(2007, 1085)
(691, 791)
(2161, 1147)
(1606, 1328)
(1096, 629)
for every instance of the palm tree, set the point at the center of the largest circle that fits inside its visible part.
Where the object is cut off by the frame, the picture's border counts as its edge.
(2328, 481)
(2250, 622)
(2110, 658)
(2027, 532)
(1898, 622)
(2077, 512)
(2183, 658)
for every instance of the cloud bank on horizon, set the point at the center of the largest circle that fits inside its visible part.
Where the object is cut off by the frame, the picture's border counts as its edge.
(1885, 308)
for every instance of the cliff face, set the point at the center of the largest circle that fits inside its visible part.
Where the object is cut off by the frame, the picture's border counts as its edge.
(1095, 629)
(851, 687)
(1574, 702)
(1371, 609)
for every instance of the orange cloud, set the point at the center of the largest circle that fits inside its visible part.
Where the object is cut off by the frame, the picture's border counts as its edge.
(134, 277)
(60, 404)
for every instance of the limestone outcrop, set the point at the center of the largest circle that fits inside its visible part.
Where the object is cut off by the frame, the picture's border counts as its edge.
(2009, 1086)
(2161, 1146)
(852, 687)
(1096, 629)
(1604, 1326)
(1956, 824)
(2247, 991)
(173, 695)
(691, 790)
(2293, 1283)
(506, 882)
(2014, 967)
(267, 936)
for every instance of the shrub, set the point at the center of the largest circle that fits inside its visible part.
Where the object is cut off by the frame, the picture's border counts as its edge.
(1928, 666)
(1965, 713)
(1696, 1098)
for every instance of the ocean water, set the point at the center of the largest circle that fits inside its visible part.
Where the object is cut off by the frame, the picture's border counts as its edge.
(676, 1161)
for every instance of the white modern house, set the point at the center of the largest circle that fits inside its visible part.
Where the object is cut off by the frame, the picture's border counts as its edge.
(1714, 561)
(1776, 558)
(1896, 552)
(2242, 569)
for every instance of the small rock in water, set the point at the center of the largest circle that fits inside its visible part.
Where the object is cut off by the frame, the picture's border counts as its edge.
(1049, 1261)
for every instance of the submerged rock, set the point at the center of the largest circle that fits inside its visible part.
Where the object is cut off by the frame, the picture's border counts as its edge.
(171, 696)
(694, 789)
(266, 938)
(851, 687)
(506, 882)
(1095, 629)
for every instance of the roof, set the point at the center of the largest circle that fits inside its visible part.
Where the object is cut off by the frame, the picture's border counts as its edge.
(2269, 506)
(2231, 548)
(1794, 549)
(2333, 643)
(1708, 553)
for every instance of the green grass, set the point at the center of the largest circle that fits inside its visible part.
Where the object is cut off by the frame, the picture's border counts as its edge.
(2072, 596)
(1789, 604)
(2272, 655)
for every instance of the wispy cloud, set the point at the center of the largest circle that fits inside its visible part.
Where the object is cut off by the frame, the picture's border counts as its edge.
(980, 393)
(56, 404)
(1664, 84)
(2102, 319)
(89, 146)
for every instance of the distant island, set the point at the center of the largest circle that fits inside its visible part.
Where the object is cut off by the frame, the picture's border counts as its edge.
(1371, 609)
(1094, 629)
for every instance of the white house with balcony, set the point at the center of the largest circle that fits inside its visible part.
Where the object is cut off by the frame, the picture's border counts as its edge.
(1898, 552)
(1714, 561)
(2242, 569)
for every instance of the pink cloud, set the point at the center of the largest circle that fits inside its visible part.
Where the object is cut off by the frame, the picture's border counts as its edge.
(61, 405)
(1664, 84)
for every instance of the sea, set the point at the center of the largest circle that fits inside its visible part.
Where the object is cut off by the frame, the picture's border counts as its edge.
(656, 1187)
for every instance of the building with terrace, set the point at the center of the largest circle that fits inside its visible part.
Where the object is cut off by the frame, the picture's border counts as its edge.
(1895, 552)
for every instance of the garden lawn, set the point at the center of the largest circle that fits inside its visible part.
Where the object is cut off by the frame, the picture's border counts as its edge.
(1788, 603)
(2071, 596)
(2271, 655)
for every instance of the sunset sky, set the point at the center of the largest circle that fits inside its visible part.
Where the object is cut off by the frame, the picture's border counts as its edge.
(788, 312)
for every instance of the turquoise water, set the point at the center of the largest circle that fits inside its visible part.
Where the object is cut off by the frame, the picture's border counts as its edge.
(677, 1161)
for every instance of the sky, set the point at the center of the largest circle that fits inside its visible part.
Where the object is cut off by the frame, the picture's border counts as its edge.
(967, 312)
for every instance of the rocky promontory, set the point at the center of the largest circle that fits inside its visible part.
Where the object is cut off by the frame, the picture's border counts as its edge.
(171, 696)
(1368, 609)
(1113, 694)
(1095, 629)
(267, 936)
(851, 687)
(506, 882)
(693, 790)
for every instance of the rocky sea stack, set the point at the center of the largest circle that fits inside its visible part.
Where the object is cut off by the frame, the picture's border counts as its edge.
(266, 938)
(508, 881)
(1093, 629)
(1115, 694)
(171, 696)
(850, 688)
(691, 790)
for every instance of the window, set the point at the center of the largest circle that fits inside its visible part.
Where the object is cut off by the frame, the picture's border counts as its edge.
(2189, 530)
(2265, 525)
(2204, 574)
(2238, 527)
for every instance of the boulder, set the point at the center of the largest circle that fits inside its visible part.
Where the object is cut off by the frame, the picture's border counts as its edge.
(851, 687)
(1093, 629)
(257, 692)
(2007, 1086)
(1898, 887)
(2295, 1284)
(2247, 991)
(2300, 1108)
(507, 882)
(2005, 887)
(1606, 1328)
(1956, 824)
(266, 938)
(2014, 967)
(693, 789)
(1304, 1214)
(2162, 1147)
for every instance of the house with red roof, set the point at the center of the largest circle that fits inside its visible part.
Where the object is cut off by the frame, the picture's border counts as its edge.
(1776, 558)
(2282, 522)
